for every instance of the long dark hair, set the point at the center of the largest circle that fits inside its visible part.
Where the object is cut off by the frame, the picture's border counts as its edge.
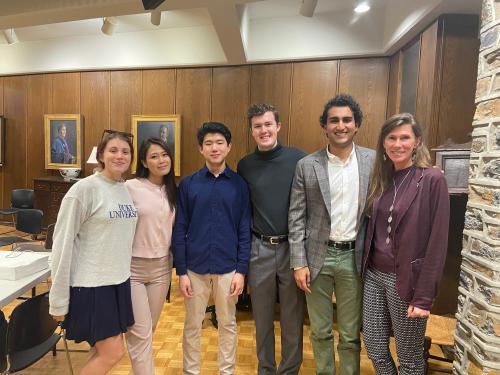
(142, 171)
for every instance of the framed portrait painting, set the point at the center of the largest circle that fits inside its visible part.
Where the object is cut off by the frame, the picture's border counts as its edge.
(63, 146)
(165, 127)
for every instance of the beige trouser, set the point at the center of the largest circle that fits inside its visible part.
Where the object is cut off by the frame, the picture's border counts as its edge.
(225, 307)
(149, 281)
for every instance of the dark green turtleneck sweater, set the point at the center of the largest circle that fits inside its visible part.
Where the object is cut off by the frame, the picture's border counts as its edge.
(269, 175)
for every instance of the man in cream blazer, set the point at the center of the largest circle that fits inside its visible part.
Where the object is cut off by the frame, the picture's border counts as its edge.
(326, 231)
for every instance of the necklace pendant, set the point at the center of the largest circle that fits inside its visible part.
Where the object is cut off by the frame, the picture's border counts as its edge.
(387, 240)
(389, 220)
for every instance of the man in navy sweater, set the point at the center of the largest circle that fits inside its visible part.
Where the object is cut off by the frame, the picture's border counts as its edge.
(269, 173)
(211, 246)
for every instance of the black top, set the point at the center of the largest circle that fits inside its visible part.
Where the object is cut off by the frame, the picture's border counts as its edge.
(269, 176)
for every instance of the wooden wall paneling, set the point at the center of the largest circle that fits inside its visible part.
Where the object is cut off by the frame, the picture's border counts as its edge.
(39, 103)
(192, 102)
(271, 84)
(367, 80)
(230, 101)
(125, 98)
(1, 95)
(158, 92)
(65, 97)
(313, 84)
(429, 81)
(394, 92)
(15, 111)
(95, 108)
(458, 80)
(66, 93)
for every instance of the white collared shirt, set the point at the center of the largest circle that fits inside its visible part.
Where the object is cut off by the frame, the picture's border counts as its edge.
(343, 178)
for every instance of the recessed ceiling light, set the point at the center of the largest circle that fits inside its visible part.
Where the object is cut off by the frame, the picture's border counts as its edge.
(362, 8)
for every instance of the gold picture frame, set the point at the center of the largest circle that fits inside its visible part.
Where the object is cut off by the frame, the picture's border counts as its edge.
(161, 126)
(63, 146)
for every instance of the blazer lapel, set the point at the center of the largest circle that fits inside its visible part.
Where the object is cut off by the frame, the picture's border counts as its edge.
(364, 169)
(409, 195)
(321, 170)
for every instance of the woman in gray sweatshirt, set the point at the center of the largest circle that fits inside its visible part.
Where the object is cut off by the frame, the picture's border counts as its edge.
(91, 256)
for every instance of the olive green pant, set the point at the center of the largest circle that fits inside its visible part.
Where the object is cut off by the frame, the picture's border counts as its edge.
(338, 275)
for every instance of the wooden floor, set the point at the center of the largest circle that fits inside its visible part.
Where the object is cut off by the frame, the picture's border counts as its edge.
(168, 346)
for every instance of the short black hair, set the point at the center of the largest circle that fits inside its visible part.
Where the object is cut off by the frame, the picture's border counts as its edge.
(342, 100)
(213, 127)
(259, 110)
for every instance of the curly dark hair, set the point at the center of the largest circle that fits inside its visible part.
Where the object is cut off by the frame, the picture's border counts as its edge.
(259, 110)
(213, 127)
(342, 100)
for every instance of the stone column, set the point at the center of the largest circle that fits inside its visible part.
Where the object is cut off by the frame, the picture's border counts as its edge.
(477, 337)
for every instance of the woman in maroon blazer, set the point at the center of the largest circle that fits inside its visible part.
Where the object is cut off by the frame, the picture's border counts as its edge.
(405, 246)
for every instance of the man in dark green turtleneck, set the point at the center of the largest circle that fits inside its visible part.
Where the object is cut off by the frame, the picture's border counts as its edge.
(269, 173)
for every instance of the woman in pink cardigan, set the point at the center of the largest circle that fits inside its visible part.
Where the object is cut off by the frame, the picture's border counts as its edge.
(153, 193)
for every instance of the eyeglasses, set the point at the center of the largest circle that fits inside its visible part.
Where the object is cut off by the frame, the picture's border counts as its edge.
(111, 131)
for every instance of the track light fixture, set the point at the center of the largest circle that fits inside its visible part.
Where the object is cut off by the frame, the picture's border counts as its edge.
(156, 17)
(109, 25)
(307, 7)
(10, 36)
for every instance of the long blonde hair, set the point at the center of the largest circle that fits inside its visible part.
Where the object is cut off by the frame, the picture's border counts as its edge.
(383, 170)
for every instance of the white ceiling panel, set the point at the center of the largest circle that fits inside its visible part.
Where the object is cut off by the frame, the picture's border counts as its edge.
(66, 33)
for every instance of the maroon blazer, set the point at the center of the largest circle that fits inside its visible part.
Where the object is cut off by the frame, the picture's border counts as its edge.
(420, 237)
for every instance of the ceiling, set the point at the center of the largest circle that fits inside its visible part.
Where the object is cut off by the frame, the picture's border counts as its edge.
(59, 35)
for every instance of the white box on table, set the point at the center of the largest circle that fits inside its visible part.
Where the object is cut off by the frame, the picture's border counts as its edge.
(15, 265)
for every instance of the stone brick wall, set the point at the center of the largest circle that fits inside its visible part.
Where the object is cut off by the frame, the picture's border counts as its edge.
(477, 337)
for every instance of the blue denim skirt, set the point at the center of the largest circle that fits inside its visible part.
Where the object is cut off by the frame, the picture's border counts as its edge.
(98, 313)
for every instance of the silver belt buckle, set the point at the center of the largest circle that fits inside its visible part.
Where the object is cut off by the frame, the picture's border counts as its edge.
(274, 240)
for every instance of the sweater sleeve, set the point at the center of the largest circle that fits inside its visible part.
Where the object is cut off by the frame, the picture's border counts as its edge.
(70, 218)
(435, 255)
(180, 230)
(297, 220)
(244, 235)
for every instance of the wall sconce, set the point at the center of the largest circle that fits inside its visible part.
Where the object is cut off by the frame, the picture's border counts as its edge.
(109, 25)
(10, 36)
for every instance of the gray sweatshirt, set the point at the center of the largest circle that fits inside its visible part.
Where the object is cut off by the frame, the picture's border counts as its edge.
(92, 238)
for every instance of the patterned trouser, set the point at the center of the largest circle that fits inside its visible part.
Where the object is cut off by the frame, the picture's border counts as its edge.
(385, 312)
